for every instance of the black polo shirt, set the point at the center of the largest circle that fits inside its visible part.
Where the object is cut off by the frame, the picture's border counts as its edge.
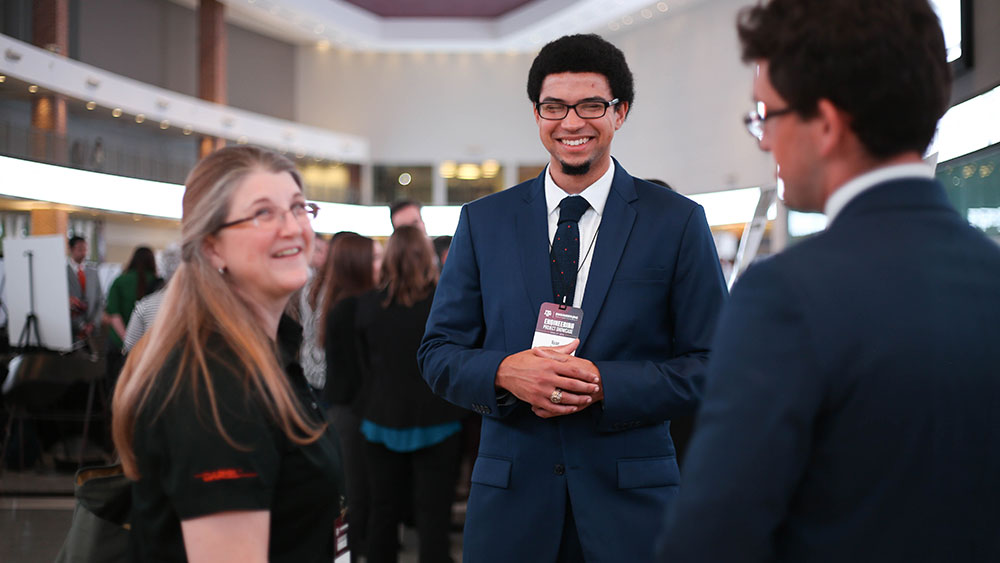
(188, 469)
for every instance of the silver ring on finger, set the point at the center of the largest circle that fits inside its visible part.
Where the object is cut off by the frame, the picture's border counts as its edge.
(556, 396)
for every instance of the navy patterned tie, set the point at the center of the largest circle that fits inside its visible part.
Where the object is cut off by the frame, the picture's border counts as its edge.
(565, 253)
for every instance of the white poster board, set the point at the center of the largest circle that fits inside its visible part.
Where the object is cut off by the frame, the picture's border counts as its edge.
(51, 290)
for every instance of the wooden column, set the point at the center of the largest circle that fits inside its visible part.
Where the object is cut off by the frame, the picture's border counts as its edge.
(49, 222)
(211, 63)
(50, 30)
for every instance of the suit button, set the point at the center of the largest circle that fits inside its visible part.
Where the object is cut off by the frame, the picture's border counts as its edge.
(559, 469)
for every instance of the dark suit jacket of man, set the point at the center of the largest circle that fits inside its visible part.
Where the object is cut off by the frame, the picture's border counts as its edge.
(654, 292)
(94, 297)
(852, 409)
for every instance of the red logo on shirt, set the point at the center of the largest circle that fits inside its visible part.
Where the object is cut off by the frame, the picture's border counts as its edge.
(224, 475)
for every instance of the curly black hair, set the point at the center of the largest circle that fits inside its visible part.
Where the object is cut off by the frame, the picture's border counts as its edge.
(582, 53)
(882, 62)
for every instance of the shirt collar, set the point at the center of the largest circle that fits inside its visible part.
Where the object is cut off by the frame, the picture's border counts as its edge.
(596, 194)
(839, 199)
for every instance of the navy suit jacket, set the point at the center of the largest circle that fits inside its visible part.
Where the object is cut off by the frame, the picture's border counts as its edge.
(650, 306)
(852, 409)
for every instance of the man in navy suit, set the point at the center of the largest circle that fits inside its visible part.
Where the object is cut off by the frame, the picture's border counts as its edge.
(575, 460)
(852, 408)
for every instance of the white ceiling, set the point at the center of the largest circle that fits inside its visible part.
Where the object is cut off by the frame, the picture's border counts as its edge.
(340, 24)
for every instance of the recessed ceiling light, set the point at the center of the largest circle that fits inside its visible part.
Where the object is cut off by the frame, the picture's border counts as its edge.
(188, 130)
(33, 88)
(117, 112)
(646, 13)
(627, 20)
(3, 79)
(140, 118)
(91, 105)
(165, 124)
(662, 6)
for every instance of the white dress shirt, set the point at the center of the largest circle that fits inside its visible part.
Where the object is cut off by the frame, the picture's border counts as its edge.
(860, 184)
(596, 195)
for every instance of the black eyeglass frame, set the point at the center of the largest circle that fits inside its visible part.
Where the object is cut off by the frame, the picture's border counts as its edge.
(754, 121)
(311, 209)
(567, 107)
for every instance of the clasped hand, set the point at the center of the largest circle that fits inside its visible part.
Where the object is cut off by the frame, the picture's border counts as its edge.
(532, 376)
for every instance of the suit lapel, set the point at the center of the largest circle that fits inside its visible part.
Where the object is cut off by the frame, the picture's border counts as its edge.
(616, 225)
(533, 240)
(74, 282)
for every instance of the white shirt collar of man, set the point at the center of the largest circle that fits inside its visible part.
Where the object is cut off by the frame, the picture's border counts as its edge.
(596, 194)
(859, 184)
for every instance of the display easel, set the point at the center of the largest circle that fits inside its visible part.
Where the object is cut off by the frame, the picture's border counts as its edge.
(37, 265)
(753, 233)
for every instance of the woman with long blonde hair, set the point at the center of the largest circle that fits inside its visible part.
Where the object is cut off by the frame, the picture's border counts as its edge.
(412, 437)
(212, 417)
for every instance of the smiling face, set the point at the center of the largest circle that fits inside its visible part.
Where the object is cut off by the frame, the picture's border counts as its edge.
(580, 149)
(265, 263)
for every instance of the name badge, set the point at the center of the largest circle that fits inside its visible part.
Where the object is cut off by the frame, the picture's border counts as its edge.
(557, 325)
(341, 552)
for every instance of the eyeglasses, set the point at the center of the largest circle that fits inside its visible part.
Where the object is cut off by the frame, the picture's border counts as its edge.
(590, 109)
(271, 216)
(754, 120)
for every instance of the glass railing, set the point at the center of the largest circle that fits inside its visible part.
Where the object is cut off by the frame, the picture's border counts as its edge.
(95, 154)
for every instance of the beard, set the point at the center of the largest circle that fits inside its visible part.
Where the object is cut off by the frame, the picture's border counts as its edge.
(575, 169)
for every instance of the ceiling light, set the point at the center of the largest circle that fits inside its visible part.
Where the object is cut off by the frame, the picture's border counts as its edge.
(614, 26)
(447, 169)
(165, 124)
(187, 130)
(662, 6)
(33, 88)
(117, 112)
(140, 118)
(405, 179)
(646, 13)
(490, 168)
(91, 105)
(3, 79)
(627, 20)
(468, 171)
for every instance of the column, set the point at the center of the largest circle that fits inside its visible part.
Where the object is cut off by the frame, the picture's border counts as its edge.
(211, 63)
(50, 30)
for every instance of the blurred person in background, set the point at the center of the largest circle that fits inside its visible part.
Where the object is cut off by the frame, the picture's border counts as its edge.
(352, 267)
(308, 305)
(138, 280)
(441, 246)
(85, 295)
(213, 419)
(406, 212)
(410, 433)
(145, 309)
